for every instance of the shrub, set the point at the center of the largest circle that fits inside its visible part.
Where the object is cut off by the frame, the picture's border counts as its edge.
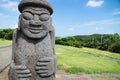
(6, 33)
(115, 47)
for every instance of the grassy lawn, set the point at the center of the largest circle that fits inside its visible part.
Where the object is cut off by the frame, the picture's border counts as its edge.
(86, 60)
(83, 60)
(5, 42)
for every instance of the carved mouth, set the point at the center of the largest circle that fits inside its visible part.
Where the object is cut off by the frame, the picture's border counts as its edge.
(35, 30)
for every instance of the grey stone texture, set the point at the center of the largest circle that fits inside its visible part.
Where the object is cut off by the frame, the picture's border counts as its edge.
(33, 55)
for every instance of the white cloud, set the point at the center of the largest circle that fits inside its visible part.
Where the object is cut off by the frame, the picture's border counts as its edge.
(10, 5)
(99, 28)
(4, 15)
(4, 0)
(14, 26)
(94, 3)
(71, 29)
(115, 21)
(116, 12)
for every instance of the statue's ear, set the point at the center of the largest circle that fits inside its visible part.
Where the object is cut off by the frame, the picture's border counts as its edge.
(19, 23)
(51, 26)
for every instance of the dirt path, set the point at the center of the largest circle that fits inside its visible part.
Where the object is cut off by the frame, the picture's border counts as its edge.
(5, 56)
(65, 76)
(4, 74)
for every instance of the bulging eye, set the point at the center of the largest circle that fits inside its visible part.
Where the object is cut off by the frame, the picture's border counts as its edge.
(27, 15)
(44, 17)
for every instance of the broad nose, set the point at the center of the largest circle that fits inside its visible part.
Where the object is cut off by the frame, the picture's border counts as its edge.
(35, 21)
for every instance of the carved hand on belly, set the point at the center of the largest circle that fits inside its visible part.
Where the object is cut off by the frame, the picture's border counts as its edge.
(22, 73)
(45, 67)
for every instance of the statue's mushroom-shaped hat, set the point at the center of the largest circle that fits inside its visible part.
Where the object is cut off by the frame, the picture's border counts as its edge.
(36, 3)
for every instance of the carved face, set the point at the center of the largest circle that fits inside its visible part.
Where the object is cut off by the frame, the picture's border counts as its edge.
(35, 22)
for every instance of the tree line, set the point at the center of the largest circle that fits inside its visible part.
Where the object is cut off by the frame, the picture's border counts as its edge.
(6, 34)
(109, 42)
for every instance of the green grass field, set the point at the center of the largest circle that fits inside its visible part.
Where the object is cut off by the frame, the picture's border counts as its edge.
(83, 60)
(86, 60)
(5, 42)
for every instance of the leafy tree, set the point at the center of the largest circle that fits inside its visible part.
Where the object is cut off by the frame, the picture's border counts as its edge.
(6, 33)
(115, 47)
(100, 41)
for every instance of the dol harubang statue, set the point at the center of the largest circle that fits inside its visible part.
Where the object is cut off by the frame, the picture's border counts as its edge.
(33, 56)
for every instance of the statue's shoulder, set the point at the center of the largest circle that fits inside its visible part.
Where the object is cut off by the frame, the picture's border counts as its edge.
(15, 32)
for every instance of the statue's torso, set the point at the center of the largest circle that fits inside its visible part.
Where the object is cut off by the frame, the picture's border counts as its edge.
(28, 53)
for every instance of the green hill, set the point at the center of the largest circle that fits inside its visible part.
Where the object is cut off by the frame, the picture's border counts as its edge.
(108, 42)
(5, 42)
(84, 60)
(87, 60)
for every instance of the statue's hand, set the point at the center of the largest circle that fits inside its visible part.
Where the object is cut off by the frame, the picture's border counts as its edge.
(45, 67)
(22, 72)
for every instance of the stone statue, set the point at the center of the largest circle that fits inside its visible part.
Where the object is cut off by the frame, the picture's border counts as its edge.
(33, 55)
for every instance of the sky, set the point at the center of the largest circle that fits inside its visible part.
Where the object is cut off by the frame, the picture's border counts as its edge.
(72, 17)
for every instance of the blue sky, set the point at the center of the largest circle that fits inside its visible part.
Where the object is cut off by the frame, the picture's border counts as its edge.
(72, 17)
